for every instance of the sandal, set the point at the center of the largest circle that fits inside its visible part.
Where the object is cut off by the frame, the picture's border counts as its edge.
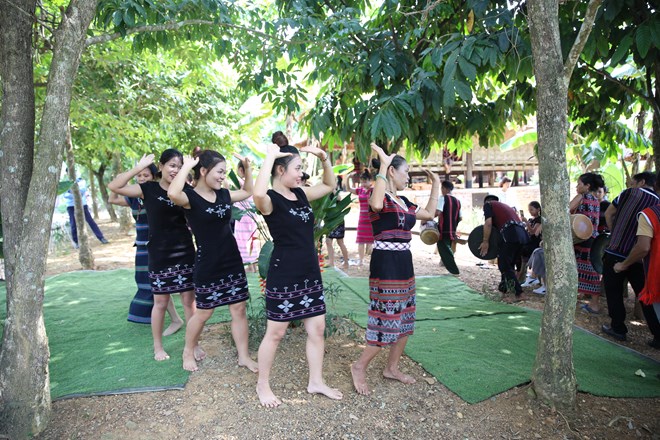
(587, 308)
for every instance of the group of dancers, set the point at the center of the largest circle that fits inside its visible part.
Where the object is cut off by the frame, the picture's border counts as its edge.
(210, 273)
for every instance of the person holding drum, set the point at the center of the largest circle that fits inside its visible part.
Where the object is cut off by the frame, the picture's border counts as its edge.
(506, 220)
(586, 203)
(449, 214)
(622, 218)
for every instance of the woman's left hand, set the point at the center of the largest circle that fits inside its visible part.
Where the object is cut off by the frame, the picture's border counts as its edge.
(322, 155)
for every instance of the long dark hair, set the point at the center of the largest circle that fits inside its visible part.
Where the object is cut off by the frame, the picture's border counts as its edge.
(166, 156)
(536, 205)
(207, 159)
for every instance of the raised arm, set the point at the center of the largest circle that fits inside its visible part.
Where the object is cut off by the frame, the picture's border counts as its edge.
(175, 190)
(116, 199)
(349, 186)
(329, 181)
(260, 191)
(429, 212)
(248, 185)
(120, 184)
(380, 181)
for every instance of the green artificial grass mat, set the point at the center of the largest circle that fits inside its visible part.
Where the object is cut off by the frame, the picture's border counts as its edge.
(477, 347)
(474, 346)
(93, 348)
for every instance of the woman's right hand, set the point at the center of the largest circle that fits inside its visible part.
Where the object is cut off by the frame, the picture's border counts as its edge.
(146, 160)
(385, 160)
(275, 152)
(190, 162)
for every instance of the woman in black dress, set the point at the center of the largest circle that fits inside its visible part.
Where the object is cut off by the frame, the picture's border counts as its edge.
(170, 246)
(140, 308)
(219, 274)
(391, 275)
(294, 289)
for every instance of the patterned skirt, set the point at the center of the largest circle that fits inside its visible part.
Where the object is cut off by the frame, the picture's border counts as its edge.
(338, 232)
(588, 278)
(230, 289)
(392, 297)
(140, 309)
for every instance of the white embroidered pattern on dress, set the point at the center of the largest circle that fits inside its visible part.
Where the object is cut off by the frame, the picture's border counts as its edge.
(304, 212)
(219, 210)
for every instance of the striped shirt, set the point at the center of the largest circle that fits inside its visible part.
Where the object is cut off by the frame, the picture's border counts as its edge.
(628, 205)
(450, 210)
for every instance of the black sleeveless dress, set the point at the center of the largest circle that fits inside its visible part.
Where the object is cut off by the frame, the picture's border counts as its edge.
(219, 275)
(294, 289)
(170, 246)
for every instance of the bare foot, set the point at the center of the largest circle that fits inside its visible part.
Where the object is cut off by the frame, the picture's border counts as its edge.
(199, 353)
(344, 266)
(322, 388)
(189, 363)
(398, 375)
(360, 380)
(161, 354)
(249, 364)
(267, 397)
(173, 328)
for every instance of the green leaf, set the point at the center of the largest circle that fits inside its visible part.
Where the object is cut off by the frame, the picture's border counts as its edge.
(621, 50)
(463, 90)
(468, 69)
(643, 38)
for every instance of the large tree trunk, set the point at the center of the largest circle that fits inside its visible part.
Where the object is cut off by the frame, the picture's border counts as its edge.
(27, 214)
(85, 254)
(553, 376)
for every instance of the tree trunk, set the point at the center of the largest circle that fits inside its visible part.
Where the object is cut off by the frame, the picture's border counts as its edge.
(92, 194)
(468, 170)
(553, 376)
(27, 215)
(100, 178)
(85, 254)
(125, 219)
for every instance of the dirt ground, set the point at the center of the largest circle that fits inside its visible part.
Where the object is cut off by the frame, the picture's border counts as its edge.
(219, 401)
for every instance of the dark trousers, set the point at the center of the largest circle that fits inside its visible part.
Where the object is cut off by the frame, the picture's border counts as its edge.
(90, 221)
(508, 254)
(447, 255)
(615, 286)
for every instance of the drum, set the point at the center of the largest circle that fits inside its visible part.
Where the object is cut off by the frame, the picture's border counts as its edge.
(598, 250)
(494, 242)
(581, 228)
(429, 233)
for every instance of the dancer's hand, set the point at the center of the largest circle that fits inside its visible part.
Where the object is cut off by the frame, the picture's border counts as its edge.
(274, 151)
(145, 161)
(322, 155)
(385, 160)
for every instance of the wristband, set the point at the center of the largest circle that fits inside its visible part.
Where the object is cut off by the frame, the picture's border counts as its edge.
(380, 176)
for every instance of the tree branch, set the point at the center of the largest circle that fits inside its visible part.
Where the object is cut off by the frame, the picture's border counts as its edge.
(99, 39)
(581, 39)
(625, 87)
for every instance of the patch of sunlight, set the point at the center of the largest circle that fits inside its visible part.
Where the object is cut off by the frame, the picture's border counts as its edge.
(505, 351)
(71, 303)
(423, 288)
(523, 328)
(444, 308)
(110, 367)
(119, 350)
(515, 317)
(484, 312)
(472, 337)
